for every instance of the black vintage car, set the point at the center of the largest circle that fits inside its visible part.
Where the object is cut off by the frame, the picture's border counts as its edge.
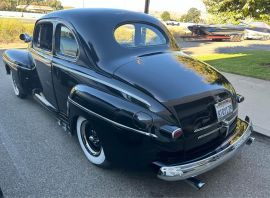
(118, 80)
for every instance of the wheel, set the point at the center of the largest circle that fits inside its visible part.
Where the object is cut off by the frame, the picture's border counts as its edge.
(236, 38)
(90, 143)
(19, 92)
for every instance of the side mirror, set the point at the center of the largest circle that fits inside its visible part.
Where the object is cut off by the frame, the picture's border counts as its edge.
(26, 38)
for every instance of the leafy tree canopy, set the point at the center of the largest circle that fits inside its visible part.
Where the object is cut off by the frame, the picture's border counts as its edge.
(193, 16)
(166, 16)
(236, 10)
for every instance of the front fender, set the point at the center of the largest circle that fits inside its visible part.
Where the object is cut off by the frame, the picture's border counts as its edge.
(15, 59)
(21, 63)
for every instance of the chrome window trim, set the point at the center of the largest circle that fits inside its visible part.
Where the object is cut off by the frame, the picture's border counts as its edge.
(64, 56)
(111, 121)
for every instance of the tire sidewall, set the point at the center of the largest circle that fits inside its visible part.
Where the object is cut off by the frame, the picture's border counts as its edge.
(15, 85)
(97, 160)
(19, 92)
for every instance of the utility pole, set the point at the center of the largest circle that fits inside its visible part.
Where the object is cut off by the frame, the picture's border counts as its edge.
(146, 7)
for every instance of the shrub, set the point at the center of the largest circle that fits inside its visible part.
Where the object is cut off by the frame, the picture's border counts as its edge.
(10, 29)
(177, 31)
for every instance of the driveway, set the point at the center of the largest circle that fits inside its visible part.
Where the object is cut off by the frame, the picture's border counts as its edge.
(207, 47)
(39, 159)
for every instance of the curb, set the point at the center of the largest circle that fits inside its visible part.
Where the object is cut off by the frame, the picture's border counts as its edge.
(261, 131)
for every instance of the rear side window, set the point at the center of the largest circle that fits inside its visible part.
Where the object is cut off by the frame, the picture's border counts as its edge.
(66, 44)
(139, 35)
(43, 36)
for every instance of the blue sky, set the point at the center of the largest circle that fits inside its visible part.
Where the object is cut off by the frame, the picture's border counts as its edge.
(138, 5)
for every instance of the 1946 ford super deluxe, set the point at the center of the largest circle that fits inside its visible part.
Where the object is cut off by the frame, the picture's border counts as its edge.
(118, 80)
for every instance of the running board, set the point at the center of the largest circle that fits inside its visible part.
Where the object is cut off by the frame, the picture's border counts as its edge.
(64, 125)
(61, 120)
(42, 100)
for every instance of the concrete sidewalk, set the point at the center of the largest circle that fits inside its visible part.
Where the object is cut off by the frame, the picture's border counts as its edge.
(257, 100)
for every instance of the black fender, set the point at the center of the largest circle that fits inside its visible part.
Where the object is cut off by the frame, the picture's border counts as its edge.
(21, 63)
(16, 58)
(115, 121)
(107, 107)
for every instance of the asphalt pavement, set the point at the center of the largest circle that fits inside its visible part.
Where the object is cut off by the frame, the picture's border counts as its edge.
(39, 159)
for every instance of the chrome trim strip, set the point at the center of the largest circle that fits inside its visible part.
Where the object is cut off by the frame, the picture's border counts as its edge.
(213, 124)
(42, 98)
(14, 65)
(223, 153)
(103, 82)
(111, 121)
(230, 121)
(211, 132)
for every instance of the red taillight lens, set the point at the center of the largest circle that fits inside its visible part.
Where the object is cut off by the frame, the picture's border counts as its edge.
(177, 133)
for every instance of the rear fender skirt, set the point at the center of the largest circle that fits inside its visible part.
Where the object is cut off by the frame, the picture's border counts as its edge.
(88, 101)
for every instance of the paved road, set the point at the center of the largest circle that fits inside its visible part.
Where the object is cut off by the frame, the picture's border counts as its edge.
(208, 47)
(37, 158)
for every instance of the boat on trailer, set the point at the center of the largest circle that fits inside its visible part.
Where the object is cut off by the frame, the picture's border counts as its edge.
(218, 32)
(257, 30)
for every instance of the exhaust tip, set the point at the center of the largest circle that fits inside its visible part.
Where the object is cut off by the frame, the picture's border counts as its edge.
(250, 140)
(195, 183)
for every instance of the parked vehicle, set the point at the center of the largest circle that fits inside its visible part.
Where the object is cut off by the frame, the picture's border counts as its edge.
(118, 80)
(257, 30)
(173, 23)
(232, 32)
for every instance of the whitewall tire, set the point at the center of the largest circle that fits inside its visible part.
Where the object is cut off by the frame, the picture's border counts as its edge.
(19, 92)
(90, 142)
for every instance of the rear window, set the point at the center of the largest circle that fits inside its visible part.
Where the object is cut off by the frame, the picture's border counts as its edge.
(139, 35)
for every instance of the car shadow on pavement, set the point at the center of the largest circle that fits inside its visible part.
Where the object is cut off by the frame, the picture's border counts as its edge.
(1, 193)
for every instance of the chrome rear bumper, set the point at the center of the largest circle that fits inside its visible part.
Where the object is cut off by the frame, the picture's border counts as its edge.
(224, 152)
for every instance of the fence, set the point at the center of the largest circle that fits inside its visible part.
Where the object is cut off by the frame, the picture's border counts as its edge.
(21, 15)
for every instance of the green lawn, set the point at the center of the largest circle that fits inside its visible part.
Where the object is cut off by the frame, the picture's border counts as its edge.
(249, 63)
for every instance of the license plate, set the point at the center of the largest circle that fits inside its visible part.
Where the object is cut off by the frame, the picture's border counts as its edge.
(224, 108)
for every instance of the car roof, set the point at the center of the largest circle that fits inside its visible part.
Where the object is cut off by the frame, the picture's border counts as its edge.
(95, 27)
(99, 14)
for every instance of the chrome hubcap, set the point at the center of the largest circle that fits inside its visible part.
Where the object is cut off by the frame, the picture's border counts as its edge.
(90, 139)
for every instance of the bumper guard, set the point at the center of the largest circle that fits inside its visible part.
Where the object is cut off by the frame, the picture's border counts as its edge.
(223, 153)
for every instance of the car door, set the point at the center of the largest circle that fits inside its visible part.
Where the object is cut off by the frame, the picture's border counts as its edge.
(65, 61)
(41, 50)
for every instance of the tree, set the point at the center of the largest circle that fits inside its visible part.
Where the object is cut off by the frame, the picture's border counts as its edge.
(55, 4)
(193, 16)
(236, 10)
(166, 16)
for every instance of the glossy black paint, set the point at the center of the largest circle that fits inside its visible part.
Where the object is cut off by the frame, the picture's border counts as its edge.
(141, 89)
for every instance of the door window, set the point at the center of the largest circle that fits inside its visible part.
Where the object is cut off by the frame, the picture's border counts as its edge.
(66, 44)
(43, 36)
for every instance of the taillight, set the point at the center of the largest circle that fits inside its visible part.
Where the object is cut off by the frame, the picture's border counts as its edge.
(177, 133)
(173, 132)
